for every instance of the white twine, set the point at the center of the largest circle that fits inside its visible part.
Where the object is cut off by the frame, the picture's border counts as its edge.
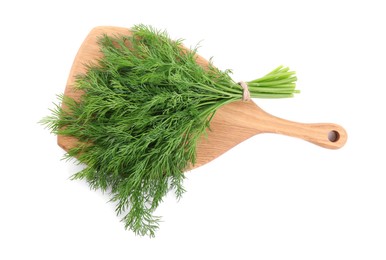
(246, 93)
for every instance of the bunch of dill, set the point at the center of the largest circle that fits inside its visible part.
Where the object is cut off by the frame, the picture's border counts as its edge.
(145, 105)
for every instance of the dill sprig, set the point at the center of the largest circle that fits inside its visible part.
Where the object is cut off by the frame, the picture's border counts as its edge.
(145, 105)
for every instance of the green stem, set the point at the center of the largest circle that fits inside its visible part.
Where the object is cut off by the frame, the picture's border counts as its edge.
(281, 67)
(216, 90)
(270, 95)
(276, 76)
(273, 90)
(273, 83)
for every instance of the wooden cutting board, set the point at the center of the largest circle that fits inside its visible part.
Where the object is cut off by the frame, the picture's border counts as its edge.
(232, 124)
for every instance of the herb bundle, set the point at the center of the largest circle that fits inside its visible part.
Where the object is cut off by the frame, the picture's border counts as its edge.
(146, 104)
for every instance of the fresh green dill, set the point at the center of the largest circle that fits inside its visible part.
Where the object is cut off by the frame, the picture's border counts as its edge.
(145, 105)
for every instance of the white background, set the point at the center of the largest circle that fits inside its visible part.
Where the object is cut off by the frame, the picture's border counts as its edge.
(272, 197)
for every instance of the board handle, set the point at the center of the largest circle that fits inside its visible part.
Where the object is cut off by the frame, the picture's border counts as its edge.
(327, 135)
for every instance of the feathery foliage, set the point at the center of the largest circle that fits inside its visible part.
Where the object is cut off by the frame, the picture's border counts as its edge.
(145, 105)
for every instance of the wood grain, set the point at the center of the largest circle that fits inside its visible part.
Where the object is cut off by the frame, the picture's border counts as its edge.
(232, 124)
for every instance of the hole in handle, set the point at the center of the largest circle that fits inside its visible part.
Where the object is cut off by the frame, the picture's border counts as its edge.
(333, 136)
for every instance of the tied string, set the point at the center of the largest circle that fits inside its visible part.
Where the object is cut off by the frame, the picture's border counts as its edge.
(246, 93)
